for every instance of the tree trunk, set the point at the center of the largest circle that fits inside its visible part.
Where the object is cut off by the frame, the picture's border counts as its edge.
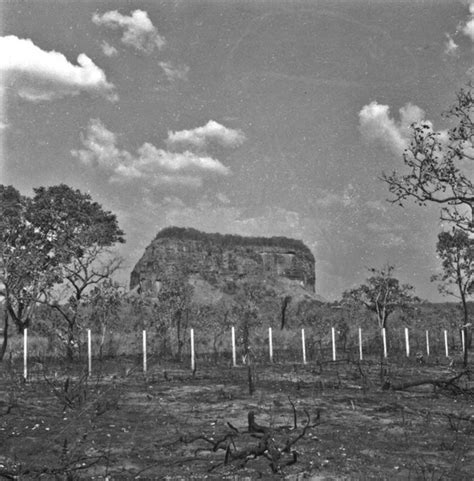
(465, 330)
(102, 341)
(70, 343)
(284, 305)
(3, 350)
(178, 335)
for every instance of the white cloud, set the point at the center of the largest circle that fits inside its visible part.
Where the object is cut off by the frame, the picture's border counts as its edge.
(451, 48)
(109, 50)
(468, 29)
(377, 125)
(138, 30)
(174, 72)
(212, 131)
(149, 155)
(38, 75)
(157, 166)
(100, 148)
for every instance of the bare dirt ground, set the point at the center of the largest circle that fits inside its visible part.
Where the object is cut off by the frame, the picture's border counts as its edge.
(329, 421)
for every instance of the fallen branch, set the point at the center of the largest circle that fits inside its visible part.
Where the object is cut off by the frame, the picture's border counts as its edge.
(441, 383)
(273, 443)
(221, 443)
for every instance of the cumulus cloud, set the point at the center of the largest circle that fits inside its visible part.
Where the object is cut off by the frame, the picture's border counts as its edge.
(100, 148)
(451, 48)
(376, 124)
(38, 75)
(158, 166)
(211, 132)
(138, 30)
(468, 28)
(109, 50)
(174, 72)
(177, 161)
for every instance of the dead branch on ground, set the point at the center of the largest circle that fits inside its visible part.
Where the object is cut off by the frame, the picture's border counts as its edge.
(274, 443)
(446, 384)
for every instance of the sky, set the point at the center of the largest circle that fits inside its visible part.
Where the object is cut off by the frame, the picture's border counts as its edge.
(260, 118)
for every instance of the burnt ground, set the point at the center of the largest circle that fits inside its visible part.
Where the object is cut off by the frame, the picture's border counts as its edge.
(328, 421)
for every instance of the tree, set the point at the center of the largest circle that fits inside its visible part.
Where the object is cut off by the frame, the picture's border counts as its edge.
(439, 164)
(456, 251)
(382, 294)
(174, 301)
(104, 302)
(247, 314)
(85, 232)
(214, 323)
(79, 276)
(57, 235)
(28, 263)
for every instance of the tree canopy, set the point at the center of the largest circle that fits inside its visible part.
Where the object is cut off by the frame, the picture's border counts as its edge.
(42, 237)
(438, 165)
(382, 294)
(230, 240)
(456, 251)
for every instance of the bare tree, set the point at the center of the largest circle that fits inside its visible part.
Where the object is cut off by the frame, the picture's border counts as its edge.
(80, 275)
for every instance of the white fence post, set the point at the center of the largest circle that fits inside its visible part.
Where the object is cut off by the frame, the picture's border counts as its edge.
(25, 353)
(193, 361)
(360, 344)
(384, 338)
(303, 345)
(144, 350)
(427, 343)
(333, 334)
(234, 354)
(270, 344)
(407, 342)
(446, 342)
(89, 352)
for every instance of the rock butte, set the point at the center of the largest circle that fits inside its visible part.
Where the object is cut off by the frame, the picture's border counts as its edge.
(218, 259)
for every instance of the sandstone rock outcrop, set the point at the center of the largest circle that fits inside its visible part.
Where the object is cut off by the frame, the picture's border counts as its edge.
(218, 259)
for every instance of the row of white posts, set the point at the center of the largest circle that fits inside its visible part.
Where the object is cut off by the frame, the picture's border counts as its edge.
(234, 351)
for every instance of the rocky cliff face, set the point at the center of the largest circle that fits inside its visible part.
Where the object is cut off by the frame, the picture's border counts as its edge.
(218, 259)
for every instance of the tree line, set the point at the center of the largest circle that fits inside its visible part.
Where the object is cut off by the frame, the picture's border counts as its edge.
(232, 240)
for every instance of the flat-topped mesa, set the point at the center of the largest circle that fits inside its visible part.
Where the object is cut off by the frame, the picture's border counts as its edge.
(219, 258)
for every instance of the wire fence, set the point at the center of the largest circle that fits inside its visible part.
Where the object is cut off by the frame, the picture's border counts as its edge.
(142, 349)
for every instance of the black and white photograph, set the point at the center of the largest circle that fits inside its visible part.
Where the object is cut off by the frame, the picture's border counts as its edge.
(236, 240)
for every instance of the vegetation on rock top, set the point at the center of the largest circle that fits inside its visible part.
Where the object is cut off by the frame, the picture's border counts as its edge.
(231, 240)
